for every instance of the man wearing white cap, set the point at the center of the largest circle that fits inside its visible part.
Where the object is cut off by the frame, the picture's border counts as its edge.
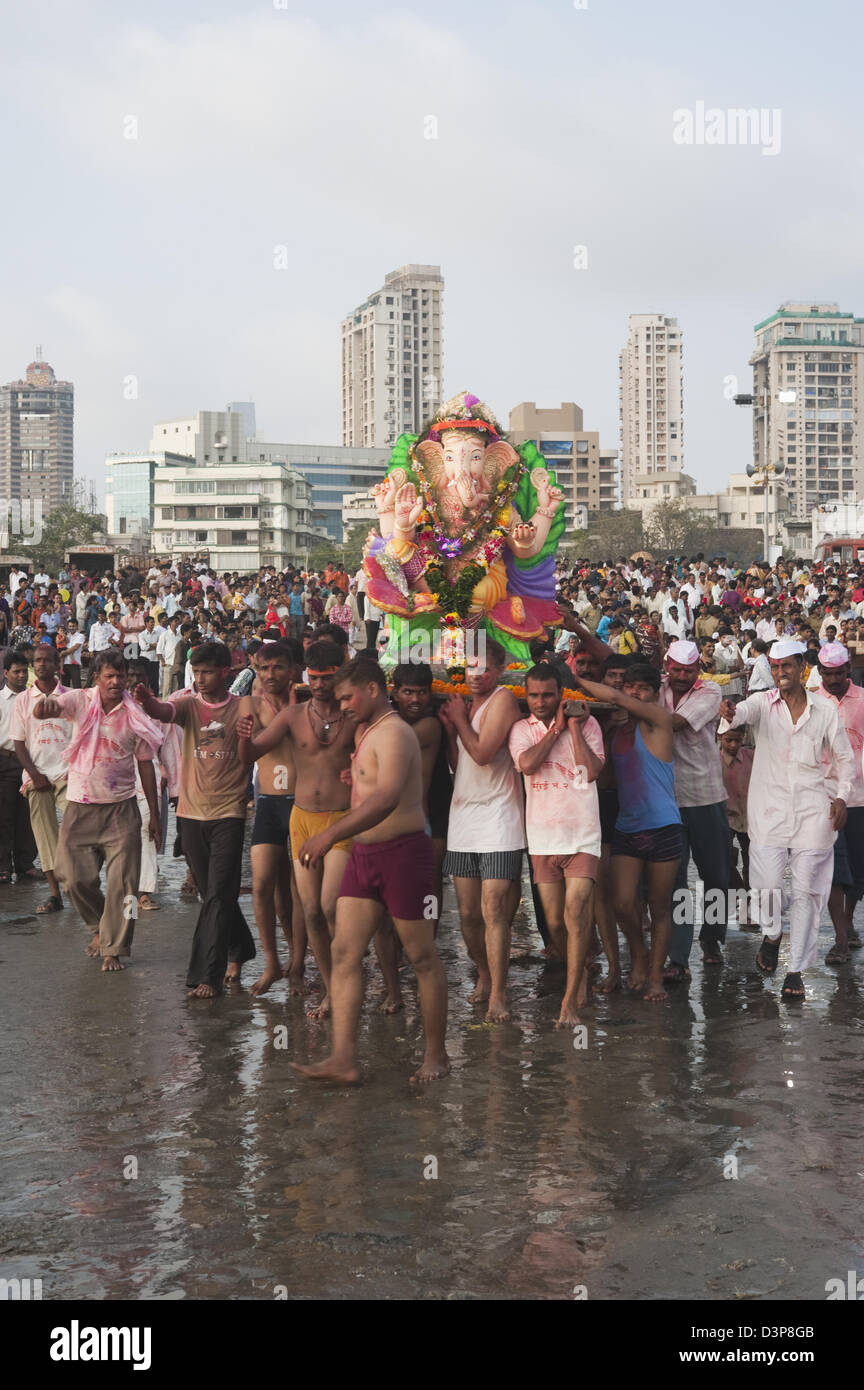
(847, 887)
(701, 797)
(802, 775)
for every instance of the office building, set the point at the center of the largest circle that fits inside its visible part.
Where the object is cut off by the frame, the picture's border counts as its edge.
(586, 473)
(36, 446)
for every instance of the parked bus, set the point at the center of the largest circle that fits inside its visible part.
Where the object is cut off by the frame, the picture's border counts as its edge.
(840, 550)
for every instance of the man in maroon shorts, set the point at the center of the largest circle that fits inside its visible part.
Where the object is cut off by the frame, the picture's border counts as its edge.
(391, 869)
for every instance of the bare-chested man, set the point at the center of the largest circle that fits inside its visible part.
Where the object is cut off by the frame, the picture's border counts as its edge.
(391, 869)
(321, 739)
(279, 668)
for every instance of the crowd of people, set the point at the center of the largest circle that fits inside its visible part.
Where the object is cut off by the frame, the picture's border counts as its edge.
(684, 710)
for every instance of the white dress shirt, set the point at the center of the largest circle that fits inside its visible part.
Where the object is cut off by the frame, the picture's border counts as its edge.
(797, 770)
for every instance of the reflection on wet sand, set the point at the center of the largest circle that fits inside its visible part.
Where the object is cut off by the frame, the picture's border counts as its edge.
(675, 1155)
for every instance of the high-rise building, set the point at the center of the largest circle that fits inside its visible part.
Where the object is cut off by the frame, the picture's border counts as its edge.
(36, 420)
(586, 473)
(651, 399)
(808, 389)
(391, 358)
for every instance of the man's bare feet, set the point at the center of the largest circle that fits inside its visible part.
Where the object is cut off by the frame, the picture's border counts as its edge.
(268, 977)
(432, 1068)
(92, 947)
(320, 1010)
(202, 992)
(609, 984)
(481, 990)
(389, 1005)
(232, 973)
(497, 1011)
(654, 993)
(112, 963)
(298, 987)
(568, 1017)
(346, 1074)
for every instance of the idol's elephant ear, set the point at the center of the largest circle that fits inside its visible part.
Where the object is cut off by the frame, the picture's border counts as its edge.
(525, 501)
(497, 459)
(401, 456)
(431, 455)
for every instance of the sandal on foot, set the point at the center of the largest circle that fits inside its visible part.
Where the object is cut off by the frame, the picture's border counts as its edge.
(52, 905)
(793, 987)
(768, 954)
(837, 956)
(712, 956)
(855, 942)
(6, 878)
(675, 973)
(148, 904)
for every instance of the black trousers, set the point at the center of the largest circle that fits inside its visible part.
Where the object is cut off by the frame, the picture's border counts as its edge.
(214, 850)
(72, 676)
(17, 846)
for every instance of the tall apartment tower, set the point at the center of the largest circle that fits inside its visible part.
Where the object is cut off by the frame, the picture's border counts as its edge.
(391, 358)
(651, 400)
(808, 388)
(36, 419)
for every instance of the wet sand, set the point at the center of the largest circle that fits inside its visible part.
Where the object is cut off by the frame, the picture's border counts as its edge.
(560, 1169)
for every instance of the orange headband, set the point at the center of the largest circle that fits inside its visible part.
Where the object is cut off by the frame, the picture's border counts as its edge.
(328, 671)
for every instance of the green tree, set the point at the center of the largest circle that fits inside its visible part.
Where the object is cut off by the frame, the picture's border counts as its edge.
(614, 533)
(673, 528)
(75, 522)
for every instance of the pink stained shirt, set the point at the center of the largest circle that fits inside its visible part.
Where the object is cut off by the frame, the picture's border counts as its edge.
(736, 780)
(851, 707)
(562, 814)
(698, 775)
(46, 740)
(112, 777)
(790, 797)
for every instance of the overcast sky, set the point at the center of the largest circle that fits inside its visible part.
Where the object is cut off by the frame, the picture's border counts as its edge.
(304, 126)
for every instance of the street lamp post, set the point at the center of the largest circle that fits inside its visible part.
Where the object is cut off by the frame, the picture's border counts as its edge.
(763, 473)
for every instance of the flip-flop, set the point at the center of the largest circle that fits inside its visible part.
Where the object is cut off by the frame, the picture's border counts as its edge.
(793, 986)
(768, 952)
(52, 905)
(6, 878)
(148, 904)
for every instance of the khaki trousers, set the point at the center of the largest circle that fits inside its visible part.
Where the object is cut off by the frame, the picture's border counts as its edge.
(93, 835)
(43, 821)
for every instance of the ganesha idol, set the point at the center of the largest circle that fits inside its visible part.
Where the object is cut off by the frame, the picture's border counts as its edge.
(468, 530)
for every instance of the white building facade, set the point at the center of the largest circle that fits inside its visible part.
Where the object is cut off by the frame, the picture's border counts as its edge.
(240, 516)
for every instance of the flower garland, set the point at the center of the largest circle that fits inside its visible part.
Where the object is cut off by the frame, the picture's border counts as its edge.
(453, 599)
